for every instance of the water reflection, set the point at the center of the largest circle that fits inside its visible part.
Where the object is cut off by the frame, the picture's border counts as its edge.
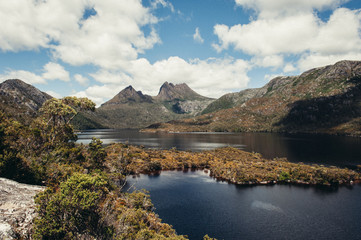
(330, 150)
(196, 204)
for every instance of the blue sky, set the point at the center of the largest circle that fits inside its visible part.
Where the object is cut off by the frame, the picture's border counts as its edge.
(95, 48)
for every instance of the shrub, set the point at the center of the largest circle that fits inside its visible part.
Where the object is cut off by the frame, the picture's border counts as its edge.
(72, 210)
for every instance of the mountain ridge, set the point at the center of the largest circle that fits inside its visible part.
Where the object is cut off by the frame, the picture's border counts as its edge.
(169, 92)
(133, 109)
(277, 106)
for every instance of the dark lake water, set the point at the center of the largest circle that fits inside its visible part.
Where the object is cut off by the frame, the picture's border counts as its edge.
(196, 204)
(330, 150)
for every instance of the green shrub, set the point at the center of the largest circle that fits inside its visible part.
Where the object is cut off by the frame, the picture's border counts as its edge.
(72, 210)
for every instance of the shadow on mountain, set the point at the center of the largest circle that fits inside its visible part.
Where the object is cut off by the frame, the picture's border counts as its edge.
(318, 114)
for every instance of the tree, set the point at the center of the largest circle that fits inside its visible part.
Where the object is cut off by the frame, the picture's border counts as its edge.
(54, 127)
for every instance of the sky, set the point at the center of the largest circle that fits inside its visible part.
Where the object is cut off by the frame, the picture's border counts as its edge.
(96, 48)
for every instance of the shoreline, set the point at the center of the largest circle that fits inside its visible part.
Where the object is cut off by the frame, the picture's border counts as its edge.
(251, 184)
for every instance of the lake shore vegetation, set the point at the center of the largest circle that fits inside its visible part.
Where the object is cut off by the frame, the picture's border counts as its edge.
(229, 164)
(84, 198)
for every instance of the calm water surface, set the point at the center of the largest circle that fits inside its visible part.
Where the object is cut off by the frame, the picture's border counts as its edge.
(330, 150)
(196, 204)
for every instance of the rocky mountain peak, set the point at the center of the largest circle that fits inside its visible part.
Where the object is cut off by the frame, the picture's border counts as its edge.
(129, 95)
(20, 99)
(169, 92)
(21, 92)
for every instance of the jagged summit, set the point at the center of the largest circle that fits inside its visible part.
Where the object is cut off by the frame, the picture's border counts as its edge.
(129, 95)
(169, 92)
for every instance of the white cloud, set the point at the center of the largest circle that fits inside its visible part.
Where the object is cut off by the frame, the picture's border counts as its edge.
(53, 71)
(204, 76)
(269, 77)
(197, 36)
(81, 79)
(291, 34)
(274, 61)
(111, 77)
(266, 8)
(162, 3)
(287, 28)
(50, 71)
(308, 61)
(54, 94)
(25, 76)
(100, 94)
(108, 39)
(289, 68)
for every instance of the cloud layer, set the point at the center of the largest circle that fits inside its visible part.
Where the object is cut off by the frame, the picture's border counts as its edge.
(108, 38)
(204, 76)
(113, 36)
(282, 28)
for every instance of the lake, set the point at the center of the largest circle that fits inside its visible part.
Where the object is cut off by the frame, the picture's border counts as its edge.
(330, 150)
(196, 204)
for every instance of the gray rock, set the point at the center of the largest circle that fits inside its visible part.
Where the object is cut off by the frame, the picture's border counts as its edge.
(17, 208)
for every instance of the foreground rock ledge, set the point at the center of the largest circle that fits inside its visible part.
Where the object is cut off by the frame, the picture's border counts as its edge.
(17, 208)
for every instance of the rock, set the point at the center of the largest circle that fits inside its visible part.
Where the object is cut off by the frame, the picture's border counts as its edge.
(17, 208)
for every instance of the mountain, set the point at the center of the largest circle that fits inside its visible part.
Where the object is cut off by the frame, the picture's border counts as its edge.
(170, 92)
(20, 99)
(321, 100)
(132, 109)
(129, 95)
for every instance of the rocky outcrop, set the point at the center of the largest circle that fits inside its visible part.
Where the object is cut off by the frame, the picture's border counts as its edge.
(17, 208)
(193, 107)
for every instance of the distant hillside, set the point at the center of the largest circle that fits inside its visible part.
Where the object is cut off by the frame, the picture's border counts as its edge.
(321, 100)
(21, 100)
(132, 109)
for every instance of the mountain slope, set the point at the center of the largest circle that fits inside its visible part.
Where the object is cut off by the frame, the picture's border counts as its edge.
(321, 100)
(132, 109)
(20, 99)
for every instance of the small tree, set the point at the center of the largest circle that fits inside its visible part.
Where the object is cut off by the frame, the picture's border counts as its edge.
(54, 123)
(97, 154)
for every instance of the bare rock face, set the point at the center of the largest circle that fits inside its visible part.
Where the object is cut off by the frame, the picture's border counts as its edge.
(17, 208)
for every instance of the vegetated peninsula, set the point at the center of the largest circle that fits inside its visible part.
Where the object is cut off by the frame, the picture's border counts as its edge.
(133, 109)
(321, 100)
(229, 164)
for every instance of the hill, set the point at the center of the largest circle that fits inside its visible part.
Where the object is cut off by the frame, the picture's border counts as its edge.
(133, 109)
(321, 100)
(21, 100)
